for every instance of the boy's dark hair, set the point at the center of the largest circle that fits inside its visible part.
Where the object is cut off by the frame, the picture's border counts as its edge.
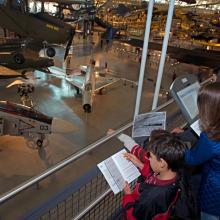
(169, 147)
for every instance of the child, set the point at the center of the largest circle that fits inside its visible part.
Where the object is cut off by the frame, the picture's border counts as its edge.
(154, 196)
(207, 151)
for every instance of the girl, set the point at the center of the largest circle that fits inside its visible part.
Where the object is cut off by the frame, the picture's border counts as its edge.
(207, 151)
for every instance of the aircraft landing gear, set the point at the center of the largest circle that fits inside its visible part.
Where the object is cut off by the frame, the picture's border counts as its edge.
(36, 141)
(18, 58)
(77, 90)
(50, 52)
(87, 108)
(39, 143)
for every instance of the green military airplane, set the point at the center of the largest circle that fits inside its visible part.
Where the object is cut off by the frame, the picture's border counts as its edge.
(39, 30)
(31, 62)
(14, 57)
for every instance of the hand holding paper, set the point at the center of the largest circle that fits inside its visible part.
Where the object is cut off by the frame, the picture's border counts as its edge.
(127, 189)
(129, 143)
(116, 170)
(134, 160)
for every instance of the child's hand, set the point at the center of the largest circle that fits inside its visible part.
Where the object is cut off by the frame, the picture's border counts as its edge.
(177, 130)
(134, 160)
(127, 189)
(129, 143)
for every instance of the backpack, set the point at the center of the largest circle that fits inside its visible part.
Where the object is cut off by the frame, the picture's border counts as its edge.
(185, 206)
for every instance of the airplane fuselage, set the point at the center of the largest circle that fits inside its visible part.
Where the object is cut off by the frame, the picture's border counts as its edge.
(40, 27)
(19, 120)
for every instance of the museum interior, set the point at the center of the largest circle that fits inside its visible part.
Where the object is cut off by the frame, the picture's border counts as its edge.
(77, 75)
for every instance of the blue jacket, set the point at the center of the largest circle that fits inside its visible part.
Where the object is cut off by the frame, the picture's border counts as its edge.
(207, 152)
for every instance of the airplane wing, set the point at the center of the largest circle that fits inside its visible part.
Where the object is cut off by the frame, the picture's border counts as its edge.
(102, 82)
(77, 81)
(6, 73)
(14, 83)
(200, 57)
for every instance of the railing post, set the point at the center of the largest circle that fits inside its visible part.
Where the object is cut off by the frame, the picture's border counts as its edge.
(144, 56)
(163, 53)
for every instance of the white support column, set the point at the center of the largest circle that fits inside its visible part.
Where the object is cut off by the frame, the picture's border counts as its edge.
(144, 56)
(163, 53)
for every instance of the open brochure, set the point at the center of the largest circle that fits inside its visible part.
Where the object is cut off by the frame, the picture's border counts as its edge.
(144, 124)
(116, 170)
(196, 127)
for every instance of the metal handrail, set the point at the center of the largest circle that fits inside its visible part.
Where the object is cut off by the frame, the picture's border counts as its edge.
(5, 196)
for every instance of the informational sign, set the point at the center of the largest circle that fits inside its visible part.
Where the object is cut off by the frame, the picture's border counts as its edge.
(144, 124)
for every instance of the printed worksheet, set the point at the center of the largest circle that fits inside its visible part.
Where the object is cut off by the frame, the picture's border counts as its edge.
(144, 124)
(196, 127)
(126, 167)
(116, 170)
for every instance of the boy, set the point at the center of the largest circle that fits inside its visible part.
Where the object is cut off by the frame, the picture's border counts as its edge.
(154, 196)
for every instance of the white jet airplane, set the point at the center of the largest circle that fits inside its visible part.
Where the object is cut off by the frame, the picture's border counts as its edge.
(34, 126)
(20, 120)
(85, 83)
(89, 81)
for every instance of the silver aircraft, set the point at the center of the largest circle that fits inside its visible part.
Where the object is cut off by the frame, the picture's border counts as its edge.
(34, 126)
(85, 83)
(90, 80)
(20, 120)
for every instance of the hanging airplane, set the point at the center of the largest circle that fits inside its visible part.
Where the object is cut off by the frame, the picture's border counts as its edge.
(12, 68)
(34, 126)
(16, 120)
(77, 9)
(39, 30)
(200, 57)
(30, 61)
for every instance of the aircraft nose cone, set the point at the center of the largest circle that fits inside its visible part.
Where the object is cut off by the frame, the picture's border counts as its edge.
(61, 126)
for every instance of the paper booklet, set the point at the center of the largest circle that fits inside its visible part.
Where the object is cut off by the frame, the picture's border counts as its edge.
(195, 126)
(116, 170)
(144, 124)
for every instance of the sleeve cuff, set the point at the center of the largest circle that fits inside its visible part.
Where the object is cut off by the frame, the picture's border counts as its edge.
(127, 198)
